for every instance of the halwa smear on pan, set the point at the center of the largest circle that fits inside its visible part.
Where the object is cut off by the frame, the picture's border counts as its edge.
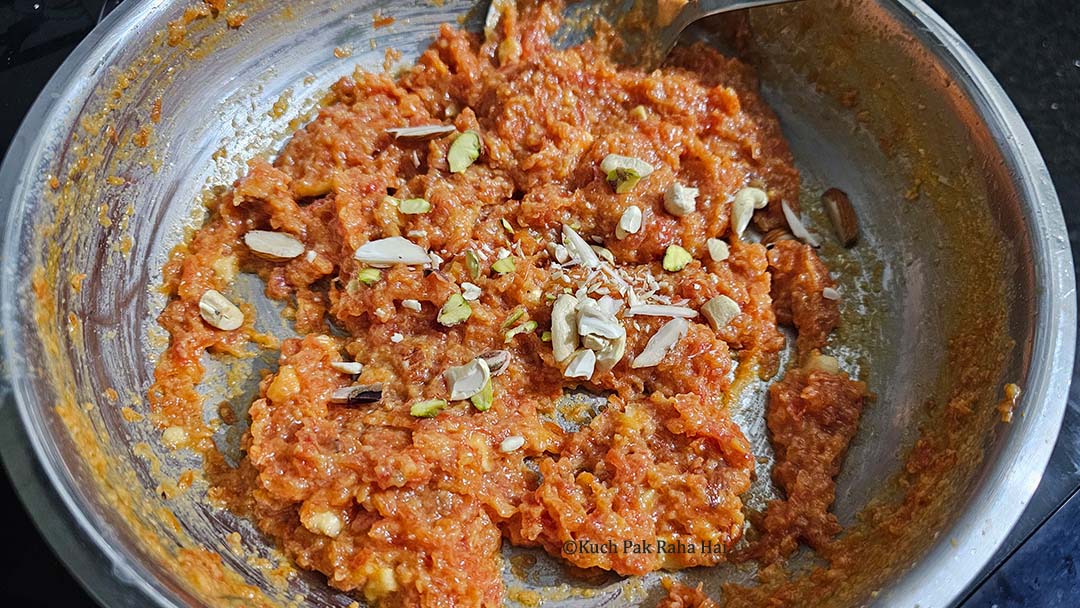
(460, 246)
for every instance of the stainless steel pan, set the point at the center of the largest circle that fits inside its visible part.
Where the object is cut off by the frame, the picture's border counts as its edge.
(964, 251)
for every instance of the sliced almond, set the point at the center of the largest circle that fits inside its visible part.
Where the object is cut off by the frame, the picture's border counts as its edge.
(564, 333)
(351, 368)
(661, 342)
(581, 365)
(742, 210)
(830, 293)
(464, 381)
(392, 250)
(842, 215)
(470, 292)
(661, 310)
(798, 228)
(578, 248)
(604, 253)
(218, 311)
(413, 305)
(720, 311)
(421, 133)
(273, 245)
(497, 361)
(355, 395)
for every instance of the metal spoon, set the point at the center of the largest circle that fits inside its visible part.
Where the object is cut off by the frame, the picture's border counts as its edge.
(647, 30)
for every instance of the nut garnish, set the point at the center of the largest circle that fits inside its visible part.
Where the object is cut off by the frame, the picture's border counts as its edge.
(464, 151)
(639, 112)
(661, 342)
(830, 293)
(578, 248)
(497, 361)
(369, 276)
(464, 381)
(218, 311)
(472, 263)
(413, 305)
(511, 444)
(428, 408)
(718, 250)
(421, 133)
(351, 368)
(676, 258)
(454, 311)
(680, 200)
(524, 328)
(485, 398)
(392, 250)
(624, 172)
(798, 228)
(775, 236)
(273, 245)
(558, 252)
(720, 311)
(629, 223)
(604, 253)
(661, 310)
(414, 206)
(470, 291)
(357, 394)
(507, 226)
(396, 337)
(742, 208)
(503, 265)
(581, 365)
(564, 333)
(842, 215)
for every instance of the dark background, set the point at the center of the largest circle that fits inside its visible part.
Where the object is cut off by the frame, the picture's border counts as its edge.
(1032, 46)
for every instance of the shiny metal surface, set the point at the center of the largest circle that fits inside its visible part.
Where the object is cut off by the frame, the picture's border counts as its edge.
(228, 95)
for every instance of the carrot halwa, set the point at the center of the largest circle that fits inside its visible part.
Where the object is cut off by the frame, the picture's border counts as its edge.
(460, 246)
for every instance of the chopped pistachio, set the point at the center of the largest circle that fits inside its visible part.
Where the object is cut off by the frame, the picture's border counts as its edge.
(680, 200)
(454, 311)
(629, 223)
(464, 151)
(524, 328)
(507, 227)
(676, 258)
(483, 400)
(428, 408)
(513, 317)
(718, 250)
(369, 276)
(472, 263)
(624, 172)
(720, 311)
(503, 265)
(545, 336)
(414, 206)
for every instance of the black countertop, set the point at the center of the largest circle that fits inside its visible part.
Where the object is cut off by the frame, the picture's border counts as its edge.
(1032, 46)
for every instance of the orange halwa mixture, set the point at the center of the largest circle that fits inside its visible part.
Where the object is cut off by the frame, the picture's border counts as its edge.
(564, 223)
